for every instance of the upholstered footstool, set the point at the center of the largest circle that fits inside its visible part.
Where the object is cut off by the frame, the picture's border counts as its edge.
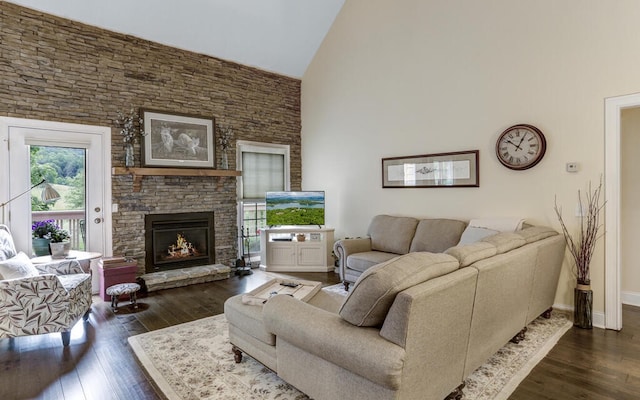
(116, 291)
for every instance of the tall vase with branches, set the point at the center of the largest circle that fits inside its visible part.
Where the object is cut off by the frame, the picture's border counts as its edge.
(581, 247)
(131, 128)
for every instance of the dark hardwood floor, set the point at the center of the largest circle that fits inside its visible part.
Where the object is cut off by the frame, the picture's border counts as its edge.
(99, 364)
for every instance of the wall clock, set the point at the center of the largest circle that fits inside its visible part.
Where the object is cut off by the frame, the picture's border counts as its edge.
(521, 147)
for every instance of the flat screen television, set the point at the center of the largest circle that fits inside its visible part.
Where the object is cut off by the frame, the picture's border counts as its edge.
(295, 208)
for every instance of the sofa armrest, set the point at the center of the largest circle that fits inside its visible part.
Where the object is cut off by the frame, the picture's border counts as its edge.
(66, 267)
(33, 305)
(345, 247)
(360, 350)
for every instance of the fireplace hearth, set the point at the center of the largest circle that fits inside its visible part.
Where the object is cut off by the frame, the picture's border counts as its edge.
(178, 240)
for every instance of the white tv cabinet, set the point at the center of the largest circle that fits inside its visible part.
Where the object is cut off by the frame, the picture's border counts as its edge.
(281, 251)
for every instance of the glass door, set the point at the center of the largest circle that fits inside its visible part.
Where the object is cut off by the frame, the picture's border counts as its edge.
(63, 169)
(71, 158)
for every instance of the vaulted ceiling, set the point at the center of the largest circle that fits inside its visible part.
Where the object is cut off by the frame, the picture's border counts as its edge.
(280, 36)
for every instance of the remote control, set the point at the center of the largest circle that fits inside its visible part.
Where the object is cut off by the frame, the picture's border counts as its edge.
(289, 284)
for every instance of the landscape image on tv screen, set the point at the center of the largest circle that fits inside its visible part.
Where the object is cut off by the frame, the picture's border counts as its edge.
(295, 208)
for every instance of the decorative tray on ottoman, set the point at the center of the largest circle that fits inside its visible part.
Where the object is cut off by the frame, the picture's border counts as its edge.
(300, 289)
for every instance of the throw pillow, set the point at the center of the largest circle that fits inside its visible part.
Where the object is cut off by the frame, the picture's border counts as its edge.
(375, 290)
(474, 234)
(19, 266)
(7, 249)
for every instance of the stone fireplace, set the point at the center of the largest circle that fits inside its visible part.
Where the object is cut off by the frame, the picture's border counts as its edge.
(178, 240)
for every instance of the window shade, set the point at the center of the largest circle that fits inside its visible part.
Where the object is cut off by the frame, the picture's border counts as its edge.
(261, 172)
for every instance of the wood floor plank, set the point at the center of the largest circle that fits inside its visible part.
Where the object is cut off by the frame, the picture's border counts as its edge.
(99, 364)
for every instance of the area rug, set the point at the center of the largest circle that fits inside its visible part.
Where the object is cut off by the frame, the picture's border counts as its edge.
(194, 361)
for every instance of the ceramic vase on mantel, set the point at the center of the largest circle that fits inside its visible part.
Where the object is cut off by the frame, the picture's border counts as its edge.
(129, 159)
(583, 305)
(224, 162)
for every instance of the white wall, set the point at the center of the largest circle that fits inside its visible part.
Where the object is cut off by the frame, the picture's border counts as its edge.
(408, 77)
(630, 206)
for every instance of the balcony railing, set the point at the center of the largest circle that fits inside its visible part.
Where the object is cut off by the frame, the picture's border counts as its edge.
(72, 221)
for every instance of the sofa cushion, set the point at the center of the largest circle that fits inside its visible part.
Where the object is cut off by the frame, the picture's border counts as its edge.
(365, 260)
(373, 293)
(437, 234)
(467, 254)
(535, 233)
(392, 234)
(473, 234)
(498, 224)
(16, 267)
(505, 241)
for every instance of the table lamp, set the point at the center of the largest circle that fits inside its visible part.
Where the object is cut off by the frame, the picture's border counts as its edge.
(48, 195)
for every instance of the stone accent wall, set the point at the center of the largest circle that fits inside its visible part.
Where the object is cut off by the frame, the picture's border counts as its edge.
(59, 70)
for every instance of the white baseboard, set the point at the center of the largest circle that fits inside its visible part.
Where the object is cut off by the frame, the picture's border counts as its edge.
(598, 317)
(631, 298)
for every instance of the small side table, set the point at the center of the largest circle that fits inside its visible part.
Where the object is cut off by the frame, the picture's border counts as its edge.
(83, 257)
(123, 288)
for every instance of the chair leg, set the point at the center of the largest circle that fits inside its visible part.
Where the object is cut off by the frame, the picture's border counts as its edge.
(66, 338)
(237, 354)
(114, 303)
(132, 300)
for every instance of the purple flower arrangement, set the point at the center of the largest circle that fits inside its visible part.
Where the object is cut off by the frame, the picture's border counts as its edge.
(48, 229)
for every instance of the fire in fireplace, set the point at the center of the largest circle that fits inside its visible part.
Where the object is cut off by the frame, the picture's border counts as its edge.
(178, 240)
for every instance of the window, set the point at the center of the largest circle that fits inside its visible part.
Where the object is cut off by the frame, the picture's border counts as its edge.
(265, 167)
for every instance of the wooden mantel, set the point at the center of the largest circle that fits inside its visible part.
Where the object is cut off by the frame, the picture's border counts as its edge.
(139, 173)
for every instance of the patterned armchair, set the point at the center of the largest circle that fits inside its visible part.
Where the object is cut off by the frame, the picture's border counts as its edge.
(39, 299)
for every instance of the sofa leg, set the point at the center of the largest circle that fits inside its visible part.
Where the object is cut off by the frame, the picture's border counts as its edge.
(456, 394)
(346, 285)
(66, 338)
(519, 337)
(547, 314)
(237, 354)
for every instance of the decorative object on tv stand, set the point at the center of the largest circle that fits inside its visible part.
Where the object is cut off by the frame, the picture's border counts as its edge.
(226, 134)
(48, 195)
(457, 169)
(131, 129)
(581, 249)
(177, 140)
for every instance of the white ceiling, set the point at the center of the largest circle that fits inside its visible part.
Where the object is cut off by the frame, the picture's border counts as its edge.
(280, 36)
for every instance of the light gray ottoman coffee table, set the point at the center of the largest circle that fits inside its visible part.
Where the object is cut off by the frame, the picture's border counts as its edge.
(247, 332)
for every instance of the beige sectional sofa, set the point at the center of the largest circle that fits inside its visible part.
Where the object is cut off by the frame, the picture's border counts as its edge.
(412, 327)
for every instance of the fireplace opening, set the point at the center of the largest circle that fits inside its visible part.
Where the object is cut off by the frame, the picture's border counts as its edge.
(178, 240)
